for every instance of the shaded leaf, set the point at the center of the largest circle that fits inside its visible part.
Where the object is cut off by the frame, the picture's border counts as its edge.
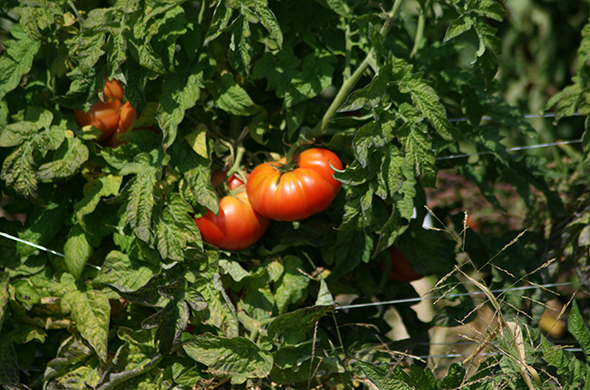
(236, 357)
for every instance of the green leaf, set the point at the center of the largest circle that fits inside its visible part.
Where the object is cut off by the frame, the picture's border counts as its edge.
(107, 185)
(406, 204)
(171, 321)
(220, 310)
(232, 98)
(454, 378)
(128, 273)
(427, 101)
(91, 312)
(219, 22)
(196, 173)
(338, 6)
(293, 325)
(16, 133)
(390, 231)
(239, 49)
(278, 70)
(325, 298)
(370, 96)
(72, 350)
(485, 67)
(140, 202)
(198, 141)
(25, 293)
(291, 287)
(570, 98)
(147, 295)
(79, 378)
(174, 228)
(180, 91)
(66, 161)
(428, 251)
(370, 136)
(77, 250)
(18, 171)
(418, 152)
(382, 378)
(17, 60)
(488, 39)
(33, 19)
(259, 303)
(311, 81)
(583, 54)
(89, 45)
(506, 115)
(236, 357)
(9, 368)
(4, 296)
(352, 249)
(458, 26)
(41, 228)
(576, 326)
(488, 8)
(269, 21)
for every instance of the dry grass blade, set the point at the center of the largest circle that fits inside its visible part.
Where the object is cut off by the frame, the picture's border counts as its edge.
(514, 332)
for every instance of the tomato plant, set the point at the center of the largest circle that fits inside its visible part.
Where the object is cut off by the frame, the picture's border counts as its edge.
(297, 193)
(107, 281)
(237, 225)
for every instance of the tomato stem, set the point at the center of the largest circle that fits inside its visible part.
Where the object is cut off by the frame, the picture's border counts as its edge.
(235, 168)
(293, 152)
(349, 83)
(420, 28)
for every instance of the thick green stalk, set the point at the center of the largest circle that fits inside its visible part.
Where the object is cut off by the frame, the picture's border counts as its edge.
(420, 28)
(349, 83)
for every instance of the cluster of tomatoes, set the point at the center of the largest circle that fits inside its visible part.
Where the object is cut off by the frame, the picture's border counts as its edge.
(110, 116)
(274, 191)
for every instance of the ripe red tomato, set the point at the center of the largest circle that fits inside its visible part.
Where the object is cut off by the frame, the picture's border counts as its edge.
(127, 116)
(401, 269)
(237, 226)
(102, 115)
(298, 194)
(233, 182)
(113, 90)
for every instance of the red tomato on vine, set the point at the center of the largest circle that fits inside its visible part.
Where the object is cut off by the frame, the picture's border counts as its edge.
(237, 225)
(103, 115)
(286, 194)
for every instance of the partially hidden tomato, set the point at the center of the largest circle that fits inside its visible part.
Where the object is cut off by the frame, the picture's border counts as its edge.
(127, 115)
(401, 269)
(237, 225)
(113, 90)
(299, 193)
(103, 115)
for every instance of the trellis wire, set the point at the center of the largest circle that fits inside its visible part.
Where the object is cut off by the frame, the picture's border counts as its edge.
(512, 149)
(528, 116)
(450, 296)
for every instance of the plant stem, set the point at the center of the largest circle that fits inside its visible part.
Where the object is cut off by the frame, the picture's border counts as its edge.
(349, 83)
(420, 28)
(80, 18)
(235, 168)
(202, 12)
